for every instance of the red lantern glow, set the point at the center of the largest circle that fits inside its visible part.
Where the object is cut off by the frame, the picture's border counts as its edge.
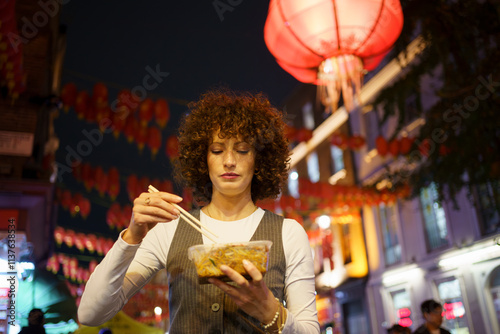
(100, 95)
(146, 109)
(82, 103)
(382, 146)
(113, 183)
(68, 95)
(172, 147)
(331, 43)
(154, 140)
(162, 112)
(405, 145)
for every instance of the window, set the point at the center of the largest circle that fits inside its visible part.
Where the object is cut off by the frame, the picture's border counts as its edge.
(389, 228)
(337, 158)
(402, 307)
(434, 218)
(453, 307)
(313, 167)
(488, 206)
(494, 286)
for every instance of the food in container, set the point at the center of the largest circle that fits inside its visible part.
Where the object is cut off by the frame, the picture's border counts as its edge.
(208, 258)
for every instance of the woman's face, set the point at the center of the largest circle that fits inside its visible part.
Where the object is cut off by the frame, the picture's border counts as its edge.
(231, 165)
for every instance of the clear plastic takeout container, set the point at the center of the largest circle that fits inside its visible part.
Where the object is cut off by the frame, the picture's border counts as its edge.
(208, 258)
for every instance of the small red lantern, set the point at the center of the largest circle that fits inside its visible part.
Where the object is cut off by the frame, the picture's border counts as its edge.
(82, 103)
(90, 242)
(172, 147)
(101, 179)
(382, 146)
(59, 235)
(141, 136)
(331, 43)
(88, 176)
(119, 121)
(127, 103)
(80, 241)
(146, 110)
(154, 140)
(132, 186)
(69, 238)
(100, 96)
(113, 183)
(162, 112)
(340, 140)
(130, 129)
(112, 215)
(84, 207)
(66, 199)
(356, 142)
(405, 144)
(68, 95)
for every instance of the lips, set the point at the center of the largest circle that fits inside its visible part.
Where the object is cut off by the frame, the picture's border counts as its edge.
(229, 175)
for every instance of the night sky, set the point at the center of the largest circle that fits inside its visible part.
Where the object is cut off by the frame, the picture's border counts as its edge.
(115, 41)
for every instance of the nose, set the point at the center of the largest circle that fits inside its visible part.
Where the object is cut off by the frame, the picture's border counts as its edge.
(229, 159)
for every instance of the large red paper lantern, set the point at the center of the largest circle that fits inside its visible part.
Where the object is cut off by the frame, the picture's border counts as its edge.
(331, 43)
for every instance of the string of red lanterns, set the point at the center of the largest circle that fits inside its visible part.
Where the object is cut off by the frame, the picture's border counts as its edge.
(12, 74)
(82, 241)
(126, 115)
(75, 203)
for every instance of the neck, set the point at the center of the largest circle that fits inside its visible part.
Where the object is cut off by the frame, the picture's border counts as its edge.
(230, 208)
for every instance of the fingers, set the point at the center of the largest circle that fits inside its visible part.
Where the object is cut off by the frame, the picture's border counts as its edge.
(155, 207)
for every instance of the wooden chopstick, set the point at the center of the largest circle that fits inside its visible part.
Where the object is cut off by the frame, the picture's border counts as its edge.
(189, 218)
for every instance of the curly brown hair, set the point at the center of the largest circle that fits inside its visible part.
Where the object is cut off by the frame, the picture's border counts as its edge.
(250, 116)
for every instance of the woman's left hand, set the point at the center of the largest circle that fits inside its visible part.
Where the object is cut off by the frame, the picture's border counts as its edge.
(253, 297)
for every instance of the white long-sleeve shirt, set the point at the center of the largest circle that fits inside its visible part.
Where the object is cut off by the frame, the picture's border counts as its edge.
(127, 268)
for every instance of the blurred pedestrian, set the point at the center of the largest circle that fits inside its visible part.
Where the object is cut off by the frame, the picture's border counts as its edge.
(36, 319)
(433, 315)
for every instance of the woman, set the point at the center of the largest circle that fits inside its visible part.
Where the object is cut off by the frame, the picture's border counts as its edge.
(233, 152)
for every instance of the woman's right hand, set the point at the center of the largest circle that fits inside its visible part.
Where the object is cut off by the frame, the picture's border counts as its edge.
(149, 209)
